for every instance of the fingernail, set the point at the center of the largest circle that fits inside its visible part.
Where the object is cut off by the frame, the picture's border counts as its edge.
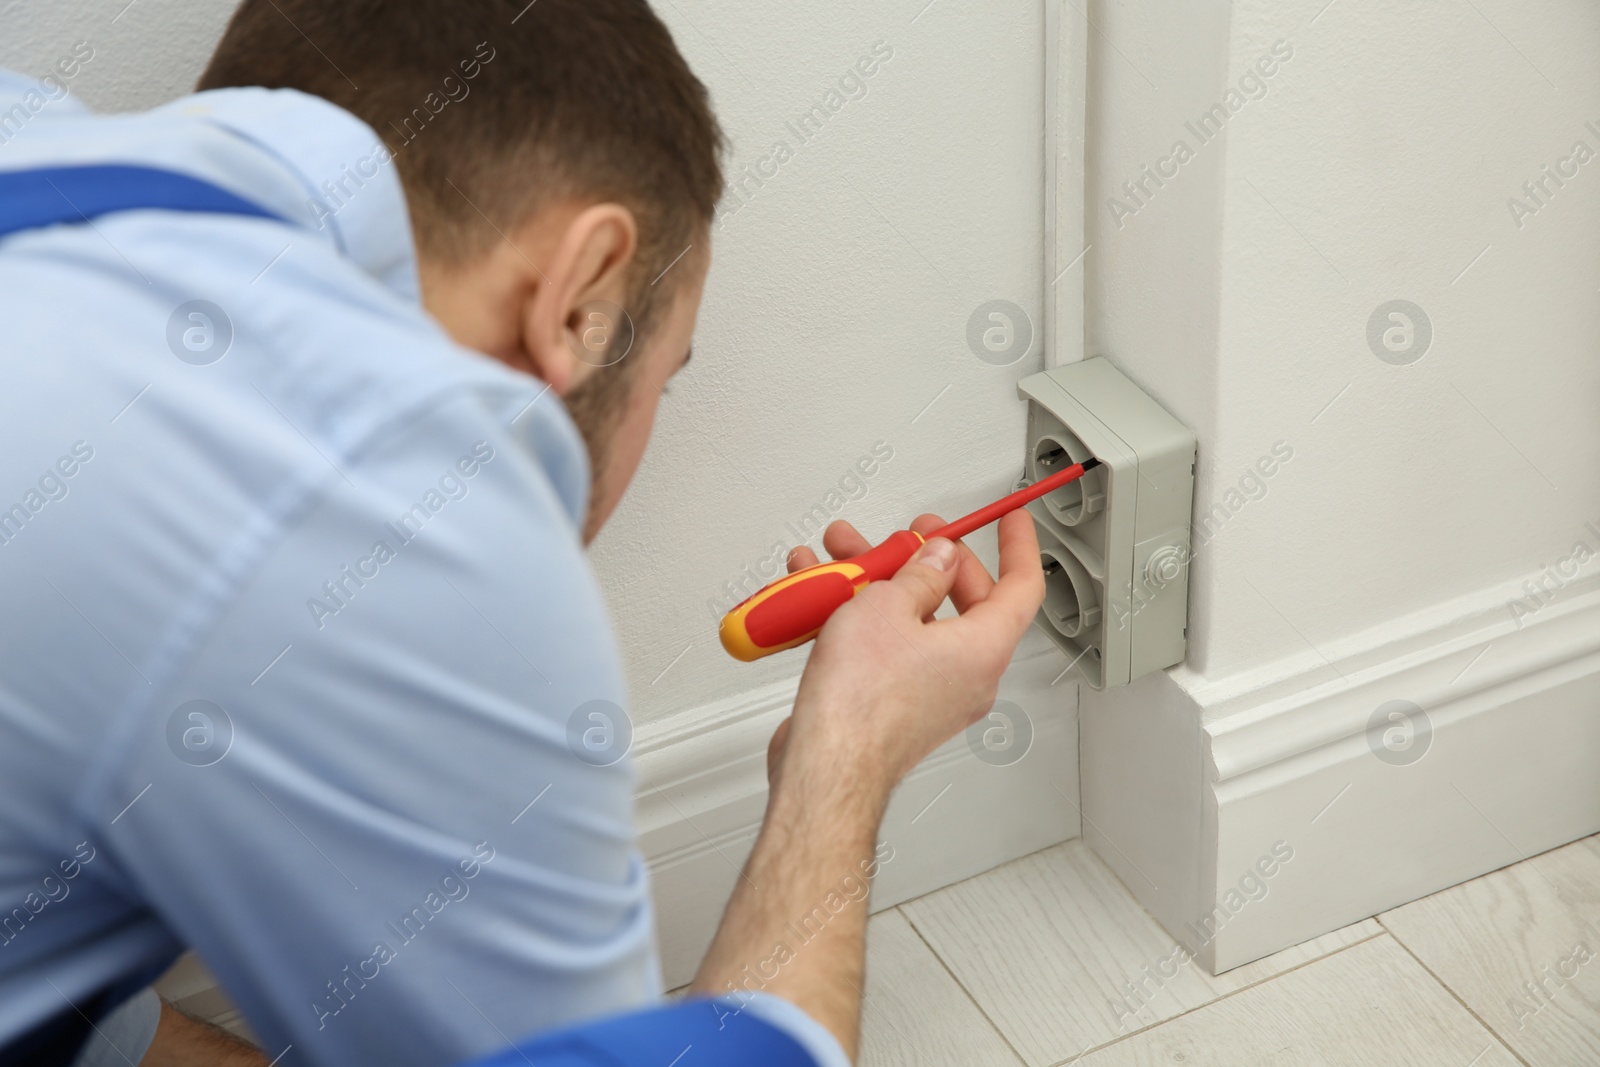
(938, 553)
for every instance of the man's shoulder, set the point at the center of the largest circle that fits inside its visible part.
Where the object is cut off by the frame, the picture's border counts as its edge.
(178, 391)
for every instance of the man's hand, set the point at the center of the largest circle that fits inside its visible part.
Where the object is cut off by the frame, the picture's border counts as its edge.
(903, 681)
(886, 684)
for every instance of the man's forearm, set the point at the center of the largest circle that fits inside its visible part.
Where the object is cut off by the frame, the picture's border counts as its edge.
(785, 931)
(184, 1041)
(886, 684)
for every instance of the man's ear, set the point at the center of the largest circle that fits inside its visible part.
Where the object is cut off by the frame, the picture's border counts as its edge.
(591, 262)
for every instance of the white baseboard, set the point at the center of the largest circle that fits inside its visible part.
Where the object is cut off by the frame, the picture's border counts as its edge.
(703, 790)
(1189, 782)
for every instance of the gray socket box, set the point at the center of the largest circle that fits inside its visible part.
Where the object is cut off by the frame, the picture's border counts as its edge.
(1114, 543)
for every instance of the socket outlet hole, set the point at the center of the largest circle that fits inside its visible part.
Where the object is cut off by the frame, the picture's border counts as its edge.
(1069, 598)
(1074, 502)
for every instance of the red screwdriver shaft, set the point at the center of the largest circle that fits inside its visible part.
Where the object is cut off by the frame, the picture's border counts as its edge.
(985, 515)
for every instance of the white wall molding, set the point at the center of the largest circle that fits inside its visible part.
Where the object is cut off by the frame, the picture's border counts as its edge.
(1066, 87)
(1189, 781)
(703, 792)
(1437, 659)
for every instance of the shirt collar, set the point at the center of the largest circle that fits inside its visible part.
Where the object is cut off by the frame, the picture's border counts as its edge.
(350, 194)
(306, 160)
(349, 190)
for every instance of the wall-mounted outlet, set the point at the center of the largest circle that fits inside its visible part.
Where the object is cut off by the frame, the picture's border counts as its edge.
(1114, 543)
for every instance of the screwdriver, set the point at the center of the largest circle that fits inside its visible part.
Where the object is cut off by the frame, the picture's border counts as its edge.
(790, 611)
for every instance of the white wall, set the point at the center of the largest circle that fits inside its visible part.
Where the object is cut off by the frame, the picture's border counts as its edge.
(145, 52)
(1392, 557)
(1377, 166)
(837, 310)
(839, 298)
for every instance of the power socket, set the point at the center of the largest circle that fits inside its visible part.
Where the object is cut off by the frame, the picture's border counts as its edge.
(1114, 543)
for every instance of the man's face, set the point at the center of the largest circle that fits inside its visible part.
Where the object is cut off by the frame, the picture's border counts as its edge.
(616, 418)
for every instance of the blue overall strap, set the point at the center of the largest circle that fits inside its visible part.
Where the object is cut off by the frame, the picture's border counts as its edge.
(695, 1033)
(30, 199)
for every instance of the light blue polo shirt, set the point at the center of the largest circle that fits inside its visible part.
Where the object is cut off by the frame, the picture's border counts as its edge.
(302, 664)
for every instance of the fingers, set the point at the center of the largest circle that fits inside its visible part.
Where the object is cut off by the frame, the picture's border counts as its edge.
(971, 584)
(800, 558)
(842, 541)
(972, 580)
(1015, 598)
(1019, 550)
(929, 575)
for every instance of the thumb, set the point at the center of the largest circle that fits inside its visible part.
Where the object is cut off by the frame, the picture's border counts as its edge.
(928, 575)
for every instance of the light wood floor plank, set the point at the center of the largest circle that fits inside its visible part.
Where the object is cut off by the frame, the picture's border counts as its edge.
(1521, 947)
(191, 988)
(1371, 1004)
(915, 1015)
(1063, 959)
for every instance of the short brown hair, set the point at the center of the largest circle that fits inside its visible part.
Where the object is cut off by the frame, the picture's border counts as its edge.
(494, 107)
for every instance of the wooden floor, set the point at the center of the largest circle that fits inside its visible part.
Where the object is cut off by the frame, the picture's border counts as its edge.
(1049, 961)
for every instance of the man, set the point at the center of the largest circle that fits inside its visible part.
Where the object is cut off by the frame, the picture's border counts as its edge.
(314, 394)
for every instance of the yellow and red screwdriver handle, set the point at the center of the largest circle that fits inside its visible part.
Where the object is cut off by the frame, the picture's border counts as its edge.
(791, 610)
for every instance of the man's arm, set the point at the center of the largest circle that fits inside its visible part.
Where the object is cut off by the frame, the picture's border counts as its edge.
(184, 1041)
(148, 1031)
(885, 686)
(401, 850)
(818, 830)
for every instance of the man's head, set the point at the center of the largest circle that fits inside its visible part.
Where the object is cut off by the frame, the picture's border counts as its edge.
(558, 158)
